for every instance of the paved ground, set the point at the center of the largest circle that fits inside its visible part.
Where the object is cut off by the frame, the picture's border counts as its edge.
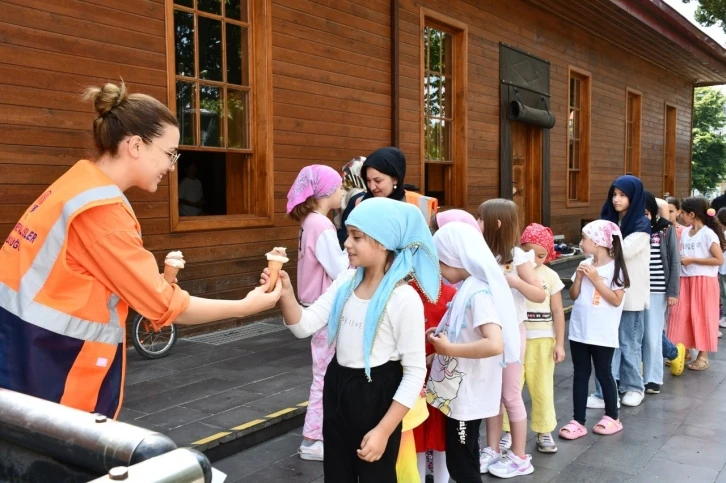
(678, 435)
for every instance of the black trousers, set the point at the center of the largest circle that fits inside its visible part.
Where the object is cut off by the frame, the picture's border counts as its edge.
(602, 359)
(352, 406)
(462, 450)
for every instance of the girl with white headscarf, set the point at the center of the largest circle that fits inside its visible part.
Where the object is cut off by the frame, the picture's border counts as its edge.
(466, 374)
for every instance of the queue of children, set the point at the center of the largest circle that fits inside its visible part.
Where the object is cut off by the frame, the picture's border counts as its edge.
(418, 338)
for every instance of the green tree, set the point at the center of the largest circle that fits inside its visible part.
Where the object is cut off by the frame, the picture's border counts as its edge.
(710, 12)
(709, 142)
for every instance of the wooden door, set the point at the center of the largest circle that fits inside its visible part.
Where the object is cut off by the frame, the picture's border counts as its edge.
(527, 172)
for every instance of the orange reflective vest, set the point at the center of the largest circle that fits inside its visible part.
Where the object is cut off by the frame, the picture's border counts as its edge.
(429, 206)
(55, 345)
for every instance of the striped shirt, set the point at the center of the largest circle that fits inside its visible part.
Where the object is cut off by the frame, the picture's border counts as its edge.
(657, 276)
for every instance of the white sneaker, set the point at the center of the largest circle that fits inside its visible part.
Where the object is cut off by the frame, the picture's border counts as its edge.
(722, 323)
(511, 466)
(594, 402)
(487, 458)
(633, 398)
(314, 452)
(505, 444)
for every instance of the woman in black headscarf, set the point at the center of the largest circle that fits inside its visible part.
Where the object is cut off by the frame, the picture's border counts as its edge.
(384, 171)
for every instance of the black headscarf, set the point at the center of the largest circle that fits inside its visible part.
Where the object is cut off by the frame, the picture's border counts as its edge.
(657, 222)
(389, 161)
(634, 220)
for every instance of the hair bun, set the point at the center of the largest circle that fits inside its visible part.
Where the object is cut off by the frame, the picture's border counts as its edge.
(107, 97)
(711, 212)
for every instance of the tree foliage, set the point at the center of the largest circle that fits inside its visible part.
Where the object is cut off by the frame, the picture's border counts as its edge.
(710, 12)
(709, 141)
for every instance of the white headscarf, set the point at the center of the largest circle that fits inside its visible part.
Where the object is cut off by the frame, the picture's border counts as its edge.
(461, 246)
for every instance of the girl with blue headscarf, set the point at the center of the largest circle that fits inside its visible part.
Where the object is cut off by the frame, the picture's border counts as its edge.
(377, 321)
(626, 207)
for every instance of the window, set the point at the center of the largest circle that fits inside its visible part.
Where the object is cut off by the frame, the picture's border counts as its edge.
(578, 138)
(633, 109)
(444, 110)
(219, 71)
(669, 151)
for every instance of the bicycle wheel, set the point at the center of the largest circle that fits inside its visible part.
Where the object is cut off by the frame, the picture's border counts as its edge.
(149, 343)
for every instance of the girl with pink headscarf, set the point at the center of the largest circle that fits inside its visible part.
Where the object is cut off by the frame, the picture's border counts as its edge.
(316, 191)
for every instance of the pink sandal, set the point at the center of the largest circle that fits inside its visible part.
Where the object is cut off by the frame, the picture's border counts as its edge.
(607, 425)
(573, 430)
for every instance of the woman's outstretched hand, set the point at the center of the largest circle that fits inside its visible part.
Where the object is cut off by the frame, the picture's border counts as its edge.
(284, 279)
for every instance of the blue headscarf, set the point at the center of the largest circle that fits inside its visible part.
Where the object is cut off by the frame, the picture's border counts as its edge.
(635, 219)
(402, 229)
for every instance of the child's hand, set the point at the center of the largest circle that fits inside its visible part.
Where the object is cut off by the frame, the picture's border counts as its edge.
(672, 301)
(284, 278)
(579, 272)
(590, 272)
(685, 261)
(558, 354)
(440, 342)
(373, 445)
(430, 359)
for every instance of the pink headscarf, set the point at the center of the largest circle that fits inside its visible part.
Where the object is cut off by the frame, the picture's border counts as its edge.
(602, 232)
(456, 215)
(318, 181)
(537, 234)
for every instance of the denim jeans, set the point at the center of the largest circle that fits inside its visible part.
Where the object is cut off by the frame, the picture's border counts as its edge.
(627, 359)
(654, 319)
(670, 351)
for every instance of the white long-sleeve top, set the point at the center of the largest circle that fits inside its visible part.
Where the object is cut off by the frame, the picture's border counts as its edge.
(400, 336)
(636, 252)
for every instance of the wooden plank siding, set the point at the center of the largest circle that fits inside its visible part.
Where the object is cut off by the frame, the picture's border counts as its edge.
(331, 75)
(546, 36)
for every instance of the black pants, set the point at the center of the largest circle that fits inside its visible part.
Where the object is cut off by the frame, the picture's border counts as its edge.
(352, 406)
(462, 450)
(602, 359)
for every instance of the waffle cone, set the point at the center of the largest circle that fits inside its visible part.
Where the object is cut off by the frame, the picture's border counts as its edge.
(170, 273)
(275, 268)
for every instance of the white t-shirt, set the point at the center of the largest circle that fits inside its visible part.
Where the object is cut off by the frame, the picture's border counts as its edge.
(190, 190)
(400, 335)
(540, 322)
(593, 320)
(519, 257)
(468, 389)
(698, 246)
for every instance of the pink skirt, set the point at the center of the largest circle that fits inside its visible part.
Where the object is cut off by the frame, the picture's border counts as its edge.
(694, 319)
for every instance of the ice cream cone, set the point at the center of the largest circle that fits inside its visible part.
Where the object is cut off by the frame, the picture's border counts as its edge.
(170, 273)
(275, 260)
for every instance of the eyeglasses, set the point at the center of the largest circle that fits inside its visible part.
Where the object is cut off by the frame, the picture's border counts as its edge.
(173, 157)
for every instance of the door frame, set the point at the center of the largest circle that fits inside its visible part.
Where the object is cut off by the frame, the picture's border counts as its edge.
(506, 95)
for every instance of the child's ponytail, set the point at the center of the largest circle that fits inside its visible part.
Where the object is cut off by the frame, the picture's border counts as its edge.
(621, 277)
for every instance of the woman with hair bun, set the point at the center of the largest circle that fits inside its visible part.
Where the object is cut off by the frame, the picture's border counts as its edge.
(75, 262)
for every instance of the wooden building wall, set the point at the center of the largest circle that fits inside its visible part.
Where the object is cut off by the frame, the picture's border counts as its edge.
(332, 101)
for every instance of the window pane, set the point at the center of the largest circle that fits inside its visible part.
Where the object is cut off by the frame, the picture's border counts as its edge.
(210, 48)
(238, 119)
(572, 91)
(574, 185)
(184, 42)
(571, 155)
(571, 124)
(237, 56)
(447, 54)
(445, 141)
(185, 3)
(578, 93)
(434, 50)
(211, 114)
(211, 6)
(629, 108)
(203, 190)
(236, 9)
(446, 96)
(576, 155)
(629, 135)
(435, 92)
(427, 45)
(186, 112)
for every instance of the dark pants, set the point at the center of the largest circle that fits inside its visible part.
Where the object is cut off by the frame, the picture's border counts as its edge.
(670, 351)
(352, 407)
(462, 450)
(602, 359)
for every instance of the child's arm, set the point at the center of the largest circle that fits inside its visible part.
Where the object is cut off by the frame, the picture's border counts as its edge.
(375, 441)
(613, 297)
(716, 258)
(490, 345)
(331, 257)
(528, 283)
(558, 314)
(576, 283)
